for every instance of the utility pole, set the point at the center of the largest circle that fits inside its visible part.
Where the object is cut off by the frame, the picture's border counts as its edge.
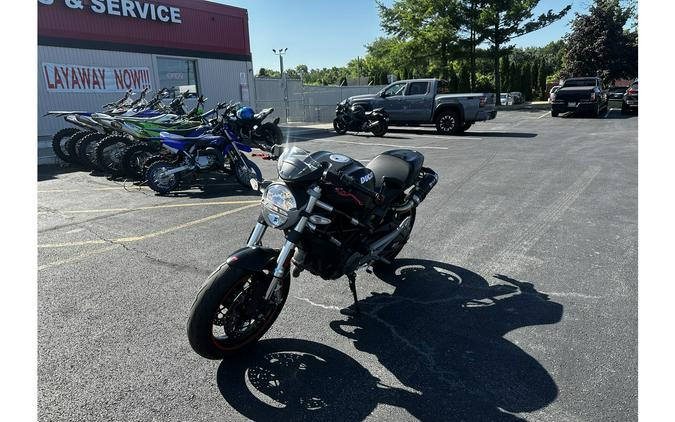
(284, 82)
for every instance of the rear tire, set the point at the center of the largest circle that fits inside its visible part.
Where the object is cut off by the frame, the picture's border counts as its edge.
(448, 122)
(381, 129)
(339, 126)
(226, 289)
(58, 141)
(162, 184)
(109, 153)
(86, 148)
(133, 159)
(466, 126)
(554, 113)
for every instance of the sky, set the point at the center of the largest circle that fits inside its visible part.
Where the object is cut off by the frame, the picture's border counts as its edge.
(323, 33)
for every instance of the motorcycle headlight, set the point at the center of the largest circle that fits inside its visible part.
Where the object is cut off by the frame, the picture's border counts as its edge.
(278, 202)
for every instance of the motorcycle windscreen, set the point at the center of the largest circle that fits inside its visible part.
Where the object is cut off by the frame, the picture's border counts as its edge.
(296, 164)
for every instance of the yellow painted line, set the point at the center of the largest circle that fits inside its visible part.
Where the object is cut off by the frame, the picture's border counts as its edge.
(82, 190)
(76, 257)
(149, 235)
(128, 188)
(152, 207)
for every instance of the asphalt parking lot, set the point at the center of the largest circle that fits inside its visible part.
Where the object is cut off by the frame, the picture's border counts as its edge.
(516, 297)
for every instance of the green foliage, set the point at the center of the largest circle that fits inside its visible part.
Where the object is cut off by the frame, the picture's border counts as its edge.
(598, 44)
(426, 31)
(505, 20)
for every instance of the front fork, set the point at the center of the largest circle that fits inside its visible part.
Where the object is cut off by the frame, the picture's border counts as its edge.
(289, 246)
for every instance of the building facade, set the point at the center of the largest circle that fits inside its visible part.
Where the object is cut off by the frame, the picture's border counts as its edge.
(91, 51)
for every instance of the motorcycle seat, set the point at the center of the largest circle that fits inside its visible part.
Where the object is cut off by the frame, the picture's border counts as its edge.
(198, 139)
(401, 164)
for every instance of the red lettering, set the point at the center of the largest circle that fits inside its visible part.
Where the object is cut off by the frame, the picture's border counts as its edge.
(136, 78)
(127, 78)
(50, 85)
(118, 79)
(57, 78)
(74, 81)
(85, 77)
(94, 80)
(101, 73)
(66, 72)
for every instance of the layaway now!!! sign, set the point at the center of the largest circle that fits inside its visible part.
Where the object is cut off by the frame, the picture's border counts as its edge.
(77, 78)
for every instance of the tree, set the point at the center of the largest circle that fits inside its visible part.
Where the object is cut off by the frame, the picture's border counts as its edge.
(471, 29)
(541, 83)
(506, 83)
(598, 44)
(505, 20)
(535, 79)
(427, 28)
(464, 79)
(514, 76)
(526, 81)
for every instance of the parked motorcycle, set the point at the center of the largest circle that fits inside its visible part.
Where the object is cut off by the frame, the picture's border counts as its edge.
(355, 118)
(219, 151)
(249, 127)
(113, 154)
(336, 215)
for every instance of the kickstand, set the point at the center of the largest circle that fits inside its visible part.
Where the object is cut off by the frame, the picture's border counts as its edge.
(352, 287)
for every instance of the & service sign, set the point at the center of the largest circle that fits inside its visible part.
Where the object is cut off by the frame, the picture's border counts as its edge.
(124, 8)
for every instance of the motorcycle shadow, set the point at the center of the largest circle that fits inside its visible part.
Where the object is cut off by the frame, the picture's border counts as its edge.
(440, 334)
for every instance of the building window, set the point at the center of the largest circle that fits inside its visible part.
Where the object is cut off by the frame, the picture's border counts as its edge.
(180, 74)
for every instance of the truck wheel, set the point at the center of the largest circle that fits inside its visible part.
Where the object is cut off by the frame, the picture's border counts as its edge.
(448, 122)
(466, 126)
(554, 113)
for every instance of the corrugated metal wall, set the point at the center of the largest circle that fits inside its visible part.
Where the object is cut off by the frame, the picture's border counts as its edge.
(306, 103)
(218, 79)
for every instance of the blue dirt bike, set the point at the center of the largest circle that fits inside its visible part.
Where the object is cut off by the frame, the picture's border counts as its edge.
(217, 151)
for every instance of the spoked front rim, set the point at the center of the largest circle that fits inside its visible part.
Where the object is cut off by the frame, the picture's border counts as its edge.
(161, 179)
(241, 316)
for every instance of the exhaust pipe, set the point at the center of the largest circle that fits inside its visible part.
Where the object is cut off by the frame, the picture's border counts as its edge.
(425, 185)
(423, 188)
(382, 243)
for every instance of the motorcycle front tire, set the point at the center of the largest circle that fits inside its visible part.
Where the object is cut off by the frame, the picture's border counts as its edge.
(224, 285)
(243, 177)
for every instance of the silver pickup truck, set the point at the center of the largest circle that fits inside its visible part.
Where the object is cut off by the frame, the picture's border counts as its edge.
(426, 101)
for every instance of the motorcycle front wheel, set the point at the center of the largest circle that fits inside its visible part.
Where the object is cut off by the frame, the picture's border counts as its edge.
(159, 181)
(230, 312)
(340, 126)
(245, 175)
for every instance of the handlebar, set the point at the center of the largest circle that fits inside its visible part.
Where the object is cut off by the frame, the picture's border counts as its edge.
(349, 181)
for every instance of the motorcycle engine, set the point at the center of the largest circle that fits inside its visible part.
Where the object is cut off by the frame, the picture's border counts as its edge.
(206, 159)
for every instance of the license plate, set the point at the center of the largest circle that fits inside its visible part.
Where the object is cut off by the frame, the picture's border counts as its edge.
(571, 104)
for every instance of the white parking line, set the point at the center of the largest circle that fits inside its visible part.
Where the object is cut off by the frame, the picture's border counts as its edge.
(386, 145)
(548, 113)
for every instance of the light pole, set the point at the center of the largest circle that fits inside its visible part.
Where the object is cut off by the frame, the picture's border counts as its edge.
(281, 53)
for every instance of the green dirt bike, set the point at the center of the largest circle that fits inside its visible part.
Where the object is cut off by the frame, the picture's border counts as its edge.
(137, 139)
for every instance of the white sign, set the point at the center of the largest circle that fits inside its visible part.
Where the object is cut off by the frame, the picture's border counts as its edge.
(78, 78)
(129, 8)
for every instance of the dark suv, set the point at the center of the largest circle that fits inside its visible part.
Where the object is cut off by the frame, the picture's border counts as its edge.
(630, 98)
(580, 94)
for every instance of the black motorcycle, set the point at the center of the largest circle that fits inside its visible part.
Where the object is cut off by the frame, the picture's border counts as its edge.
(250, 128)
(355, 118)
(337, 216)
